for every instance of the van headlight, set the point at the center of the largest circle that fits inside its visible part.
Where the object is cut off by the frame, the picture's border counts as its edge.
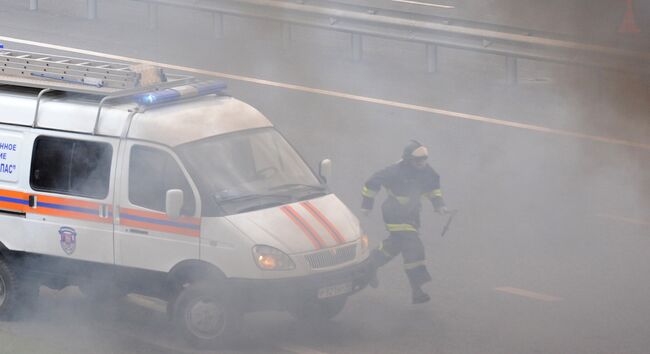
(364, 242)
(271, 258)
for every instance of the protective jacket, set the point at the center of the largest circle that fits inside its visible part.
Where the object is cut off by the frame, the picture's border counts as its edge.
(405, 185)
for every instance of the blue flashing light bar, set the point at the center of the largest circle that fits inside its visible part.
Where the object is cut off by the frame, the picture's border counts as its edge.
(2, 45)
(186, 91)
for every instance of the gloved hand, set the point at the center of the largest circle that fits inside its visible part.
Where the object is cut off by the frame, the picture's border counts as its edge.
(443, 210)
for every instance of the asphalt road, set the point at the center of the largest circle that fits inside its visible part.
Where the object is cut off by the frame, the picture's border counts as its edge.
(548, 253)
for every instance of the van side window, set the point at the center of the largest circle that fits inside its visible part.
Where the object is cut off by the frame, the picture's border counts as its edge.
(68, 166)
(152, 172)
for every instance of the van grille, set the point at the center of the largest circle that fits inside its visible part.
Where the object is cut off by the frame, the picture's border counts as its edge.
(331, 257)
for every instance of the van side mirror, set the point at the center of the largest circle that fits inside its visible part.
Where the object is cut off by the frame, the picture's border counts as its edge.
(174, 203)
(325, 169)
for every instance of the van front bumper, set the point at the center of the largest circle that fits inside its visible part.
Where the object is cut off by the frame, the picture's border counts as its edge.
(280, 294)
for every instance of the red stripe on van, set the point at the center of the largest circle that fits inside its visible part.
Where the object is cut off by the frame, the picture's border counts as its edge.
(306, 229)
(160, 216)
(323, 220)
(157, 221)
(54, 206)
(161, 228)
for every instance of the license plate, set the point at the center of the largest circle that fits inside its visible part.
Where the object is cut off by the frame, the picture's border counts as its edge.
(334, 290)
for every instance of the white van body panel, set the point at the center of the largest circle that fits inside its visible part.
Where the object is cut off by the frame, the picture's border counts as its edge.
(142, 238)
(275, 228)
(225, 245)
(39, 229)
(200, 118)
(327, 216)
(94, 237)
(12, 155)
(228, 242)
(94, 240)
(16, 109)
(70, 113)
(80, 118)
(12, 184)
(13, 229)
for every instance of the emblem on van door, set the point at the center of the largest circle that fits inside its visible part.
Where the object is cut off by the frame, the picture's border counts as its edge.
(68, 239)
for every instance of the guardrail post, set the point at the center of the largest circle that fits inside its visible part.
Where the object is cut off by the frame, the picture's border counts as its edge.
(153, 16)
(92, 9)
(511, 70)
(432, 58)
(286, 35)
(33, 5)
(217, 23)
(357, 46)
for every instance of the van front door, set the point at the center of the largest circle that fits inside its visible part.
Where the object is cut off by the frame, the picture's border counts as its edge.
(145, 236)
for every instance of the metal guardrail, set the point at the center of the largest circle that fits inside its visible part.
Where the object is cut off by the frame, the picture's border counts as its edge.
(360, 22)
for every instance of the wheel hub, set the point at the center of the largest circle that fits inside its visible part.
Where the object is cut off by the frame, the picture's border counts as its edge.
(205, 319)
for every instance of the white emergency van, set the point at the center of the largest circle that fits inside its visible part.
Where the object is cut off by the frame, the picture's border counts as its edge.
(121, 179)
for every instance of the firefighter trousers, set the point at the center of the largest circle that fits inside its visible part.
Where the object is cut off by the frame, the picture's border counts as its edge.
(407, 243)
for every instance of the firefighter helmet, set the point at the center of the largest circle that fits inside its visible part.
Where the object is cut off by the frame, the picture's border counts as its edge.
(415, 150)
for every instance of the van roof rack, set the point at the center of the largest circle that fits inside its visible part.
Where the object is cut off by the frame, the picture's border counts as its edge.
(110, 81)
(69, 74)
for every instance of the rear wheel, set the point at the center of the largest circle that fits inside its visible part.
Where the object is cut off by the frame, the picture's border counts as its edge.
(205, 316)
(8, 291)
(318, 310)
(16, 295)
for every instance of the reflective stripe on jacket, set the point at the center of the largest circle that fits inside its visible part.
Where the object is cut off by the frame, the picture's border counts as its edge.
(405, 186)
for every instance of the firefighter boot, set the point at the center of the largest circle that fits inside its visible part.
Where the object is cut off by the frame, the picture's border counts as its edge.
(377, 259)
(419, 296)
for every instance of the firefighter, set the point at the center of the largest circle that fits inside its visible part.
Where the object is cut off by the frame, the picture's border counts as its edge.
(405, 182)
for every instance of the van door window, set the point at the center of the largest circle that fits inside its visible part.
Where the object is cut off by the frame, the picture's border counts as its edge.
(68, 166)
(152, 172)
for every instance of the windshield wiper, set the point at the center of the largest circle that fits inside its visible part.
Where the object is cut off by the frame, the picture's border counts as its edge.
(297, 185)
(306, 191)
(259, 206)
(252, 196)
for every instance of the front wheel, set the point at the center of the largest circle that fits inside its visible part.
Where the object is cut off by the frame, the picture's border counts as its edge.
(318, 310)
(205, 316)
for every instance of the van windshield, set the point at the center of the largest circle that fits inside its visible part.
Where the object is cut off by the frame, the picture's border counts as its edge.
(247, 170)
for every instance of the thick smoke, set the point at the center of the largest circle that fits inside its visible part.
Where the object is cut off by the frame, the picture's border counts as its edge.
(549, 212)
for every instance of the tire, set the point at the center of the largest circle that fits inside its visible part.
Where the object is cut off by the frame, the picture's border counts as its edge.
(8, 290)
(316, 310)
(205, 316)
(172, 301)
(170, 308)
(17, 296)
